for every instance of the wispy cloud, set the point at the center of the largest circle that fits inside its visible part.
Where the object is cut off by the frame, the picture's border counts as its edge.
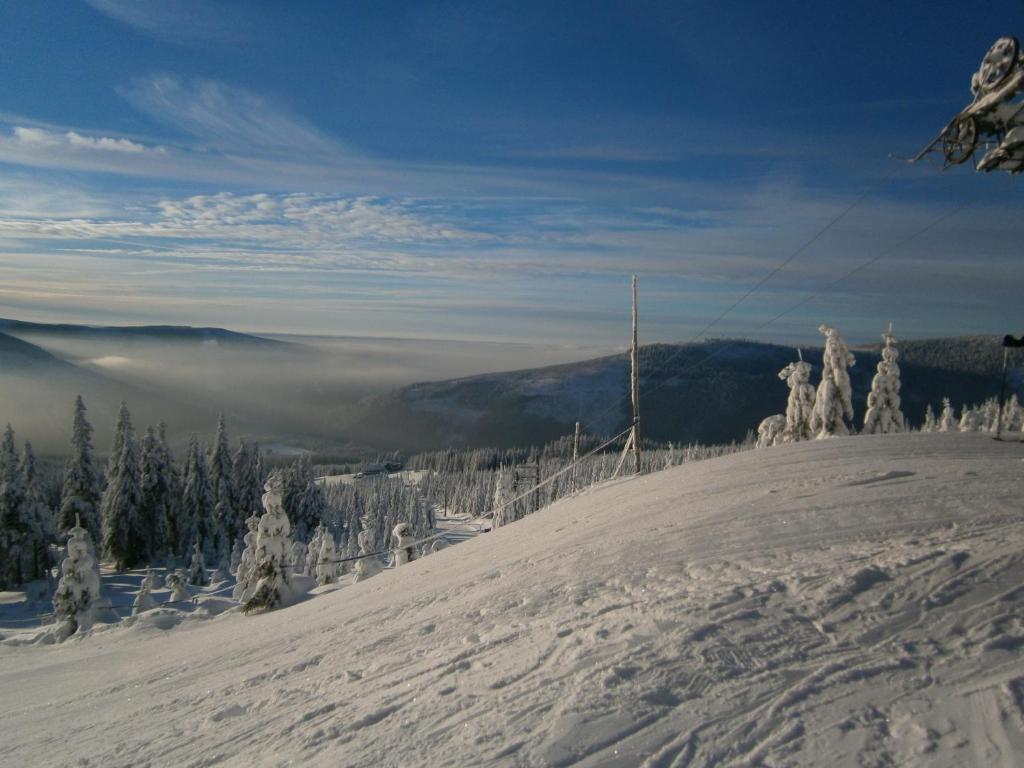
(231, 118)
(179, 21)
(261, 221)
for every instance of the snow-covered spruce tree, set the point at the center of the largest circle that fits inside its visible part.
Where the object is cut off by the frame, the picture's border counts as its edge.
(222, 483)
(144, 599)
(154, 487)
(197, 500)
(369, 564)
(947, 421)
(971, 420)
(176, 528)
(79, 585)
(245, 578)
(1012, 418)
(302, 499)
(833, 403)
(800, 404)
(37, 521)
(248, 483)
(81, 492)
(769, 431)
(12, 502)
(313, 550)
(272, 551)
(176, 583)
(930, 424)
(883, 415)
(990, 414)
(197, 566)
(122, 537)
(404, 550)
(499, 502)
(327, 569)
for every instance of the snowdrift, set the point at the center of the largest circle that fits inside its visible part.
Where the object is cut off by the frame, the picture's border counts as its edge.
(844, 602)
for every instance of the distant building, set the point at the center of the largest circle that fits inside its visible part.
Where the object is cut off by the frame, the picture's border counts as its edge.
(377, 469)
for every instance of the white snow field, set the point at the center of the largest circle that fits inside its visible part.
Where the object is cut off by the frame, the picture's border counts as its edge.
(847, 602)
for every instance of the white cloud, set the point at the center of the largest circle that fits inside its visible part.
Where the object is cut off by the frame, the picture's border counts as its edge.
(103, 142)
(38, 138)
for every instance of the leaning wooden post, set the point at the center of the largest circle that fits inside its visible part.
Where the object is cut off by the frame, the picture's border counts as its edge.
(575, 454)
(635, 382)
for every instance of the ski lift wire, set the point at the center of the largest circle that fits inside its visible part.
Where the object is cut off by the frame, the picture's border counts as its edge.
(799, 304)
(816, 294)
(489, 514)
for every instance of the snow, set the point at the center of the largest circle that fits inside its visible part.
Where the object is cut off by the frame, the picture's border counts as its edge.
(854, 601)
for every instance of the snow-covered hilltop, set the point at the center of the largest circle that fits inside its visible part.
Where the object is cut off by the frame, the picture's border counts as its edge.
(843, 602)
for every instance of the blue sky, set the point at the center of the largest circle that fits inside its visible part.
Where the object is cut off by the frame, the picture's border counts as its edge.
(497, 171)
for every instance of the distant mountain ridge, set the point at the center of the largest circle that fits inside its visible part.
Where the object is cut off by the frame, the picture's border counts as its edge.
(710, 392)
(168, 332)
(17, 354)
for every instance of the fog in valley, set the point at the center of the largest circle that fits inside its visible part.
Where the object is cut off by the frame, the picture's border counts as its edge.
(285, 391)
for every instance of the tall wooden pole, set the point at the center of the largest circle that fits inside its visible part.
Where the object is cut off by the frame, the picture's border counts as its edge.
(635, 382)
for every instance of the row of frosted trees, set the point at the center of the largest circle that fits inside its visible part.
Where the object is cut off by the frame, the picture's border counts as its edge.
(986, 417)
(828, 410)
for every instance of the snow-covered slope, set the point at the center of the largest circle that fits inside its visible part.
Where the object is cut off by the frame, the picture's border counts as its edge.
(856, 601)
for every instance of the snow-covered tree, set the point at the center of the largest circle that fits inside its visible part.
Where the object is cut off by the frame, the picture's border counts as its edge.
(248, 480)
(800, 404)
(81, 492)
(176, 583)
(197, 566)
(273, 547)
(833, 402)
(154, 487)
(176, 528)
(222, 484)
(770, 430)
(79, 585)
(930, 425)
(947, 420)
(245, 574)
(122, 537)
(302, 499)
(37, 522)
(1012, 418)
(313, 550)
(12, 503)
(369, 564)
(404, 550)
(327, 569)
(504, 512)
(883, 415)
(989, 414)
(971, 420)
(143, 598)
(197, 500)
